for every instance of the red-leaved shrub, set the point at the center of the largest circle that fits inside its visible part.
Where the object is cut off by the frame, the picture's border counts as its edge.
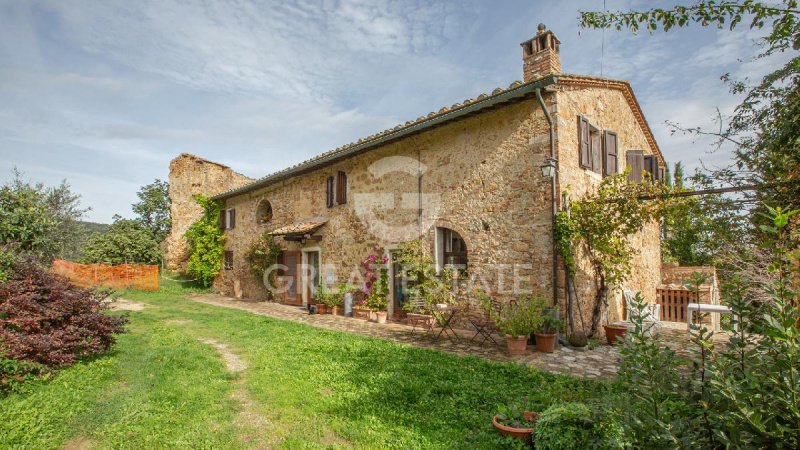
(46, 320)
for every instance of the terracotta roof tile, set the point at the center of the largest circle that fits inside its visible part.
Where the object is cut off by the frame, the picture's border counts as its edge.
(298, 228)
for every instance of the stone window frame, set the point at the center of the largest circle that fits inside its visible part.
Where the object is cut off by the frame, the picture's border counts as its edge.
(227, 260)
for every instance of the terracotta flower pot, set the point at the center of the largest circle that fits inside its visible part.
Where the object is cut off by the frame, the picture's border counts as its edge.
(546, 342)
(322, 309)
(525, 434)
(380, 316)
(337, 310)
(614, 333)
(361, 313)
(516, 345)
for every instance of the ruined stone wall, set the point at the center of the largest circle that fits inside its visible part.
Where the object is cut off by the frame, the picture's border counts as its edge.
(606, 109)
(480, 177)
(190, 175)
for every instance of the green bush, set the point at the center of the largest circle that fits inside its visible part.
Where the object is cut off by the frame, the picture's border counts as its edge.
(563, 426)
(742, 393)
(206, 242)
(125, 242)
(6, 262)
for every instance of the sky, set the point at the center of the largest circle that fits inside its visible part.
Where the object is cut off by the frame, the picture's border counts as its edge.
(105, 93)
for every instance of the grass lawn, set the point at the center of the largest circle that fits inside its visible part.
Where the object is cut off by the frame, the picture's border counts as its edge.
(164, 385)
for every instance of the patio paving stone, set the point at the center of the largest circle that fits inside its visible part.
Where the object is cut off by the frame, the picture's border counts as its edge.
(598, 363)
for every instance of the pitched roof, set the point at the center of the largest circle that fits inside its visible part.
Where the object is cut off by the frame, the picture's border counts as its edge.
(515, 92)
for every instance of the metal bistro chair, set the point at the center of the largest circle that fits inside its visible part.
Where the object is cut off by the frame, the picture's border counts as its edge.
(419, 308)
(484, 325)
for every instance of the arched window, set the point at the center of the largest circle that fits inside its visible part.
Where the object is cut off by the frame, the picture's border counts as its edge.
(264, 212)
(451, 250)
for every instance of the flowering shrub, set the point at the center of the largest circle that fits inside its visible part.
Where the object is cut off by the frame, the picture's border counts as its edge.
(46, 321)
(371, 265)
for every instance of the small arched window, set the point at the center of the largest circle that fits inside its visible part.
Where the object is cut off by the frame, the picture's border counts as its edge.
(451, 248)
(264, 212)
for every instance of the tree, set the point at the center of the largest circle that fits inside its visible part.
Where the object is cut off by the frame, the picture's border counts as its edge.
(153, 208)
(763, 128)
(126, 242)
(39, 220)
(696, 231)
(598, 226)
(206, 242)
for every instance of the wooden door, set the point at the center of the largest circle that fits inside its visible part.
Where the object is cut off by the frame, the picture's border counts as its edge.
(290, 278)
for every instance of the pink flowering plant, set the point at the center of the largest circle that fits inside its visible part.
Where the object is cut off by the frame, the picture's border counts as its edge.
(371, 267)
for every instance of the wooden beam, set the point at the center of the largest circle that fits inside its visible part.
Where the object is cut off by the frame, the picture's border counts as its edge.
(749, 187)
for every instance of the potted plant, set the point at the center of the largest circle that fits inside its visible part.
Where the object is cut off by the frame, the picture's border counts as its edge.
(614, 333)
(517, 320)
(326, 299)
(617, 332)
(546, 335)
(516, 420)
(378, 298)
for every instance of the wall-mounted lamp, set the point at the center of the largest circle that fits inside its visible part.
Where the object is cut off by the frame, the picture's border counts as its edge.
(549, 168)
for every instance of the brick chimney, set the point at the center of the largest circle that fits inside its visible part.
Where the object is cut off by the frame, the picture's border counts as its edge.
(540, 55)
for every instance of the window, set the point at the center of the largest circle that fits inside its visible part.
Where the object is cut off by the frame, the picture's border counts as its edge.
(329, 192)
(651, 166)
(341, 188)
(227, 219)
(591, 145)
(336, 190)
(228, 261)
(264, 212)
(451, 249)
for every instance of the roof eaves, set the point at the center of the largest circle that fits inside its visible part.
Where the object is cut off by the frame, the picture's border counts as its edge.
(499, 96)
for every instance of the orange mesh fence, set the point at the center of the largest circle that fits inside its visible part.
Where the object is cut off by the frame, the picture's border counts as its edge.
(118, 277)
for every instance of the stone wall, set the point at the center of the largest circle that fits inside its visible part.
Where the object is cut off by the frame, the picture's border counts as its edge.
(190, 175)
(480, 177)
(606, 109)
(482, 173)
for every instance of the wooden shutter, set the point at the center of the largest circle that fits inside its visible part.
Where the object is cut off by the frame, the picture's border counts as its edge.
(341, 188)
(222, 216)
(609, 153)
(651, 166)
(661, 175)
(635, 162)
(585, 147)
(329, 191)
(233, 218)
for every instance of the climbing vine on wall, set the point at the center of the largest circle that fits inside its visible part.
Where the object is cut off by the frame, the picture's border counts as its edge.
(206, 242)
(600, 225)
(261, 256)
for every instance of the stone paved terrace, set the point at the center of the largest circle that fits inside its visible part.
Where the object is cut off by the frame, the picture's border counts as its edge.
(600, 362)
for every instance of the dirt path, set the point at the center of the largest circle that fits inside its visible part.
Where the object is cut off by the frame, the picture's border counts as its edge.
(121, 304)
(252, 423)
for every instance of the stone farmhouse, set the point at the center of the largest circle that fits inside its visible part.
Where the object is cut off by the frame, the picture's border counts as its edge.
(468, 179)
